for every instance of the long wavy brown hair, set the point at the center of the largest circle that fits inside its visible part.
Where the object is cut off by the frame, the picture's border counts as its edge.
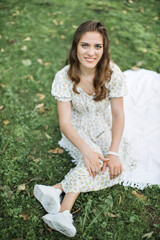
(103, 70)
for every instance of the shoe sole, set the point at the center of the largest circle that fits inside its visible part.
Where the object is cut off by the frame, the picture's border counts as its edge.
(48, 202)
(59, 227)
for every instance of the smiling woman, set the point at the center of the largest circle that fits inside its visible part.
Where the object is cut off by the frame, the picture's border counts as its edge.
(90, 91)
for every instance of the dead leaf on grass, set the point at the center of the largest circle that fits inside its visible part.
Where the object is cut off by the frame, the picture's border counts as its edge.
(2, 85)
(147, 235)
(141, 196)
(29, 77)
(24, 48)
(41, 96)
(26, 62)
(41, 110)
(40, 61)
(134, 68)
(1, 107)
(55, 22)
(24, 216)
(111, 215)
(37, 160)
(63, 37)
(7, 190)
(47, 64)
(120, 200)
(144, 50)
(21, 187)
(47, 136)
(16, 13)
(41, 105)
(56, 151)
(2, 50)
(6, 122)
(74, 26)
(27, 39)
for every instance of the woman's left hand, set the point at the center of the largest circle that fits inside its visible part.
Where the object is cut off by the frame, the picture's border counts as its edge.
(114, 164)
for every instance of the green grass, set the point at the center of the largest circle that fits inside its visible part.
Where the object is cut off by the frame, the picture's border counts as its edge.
(114, 213)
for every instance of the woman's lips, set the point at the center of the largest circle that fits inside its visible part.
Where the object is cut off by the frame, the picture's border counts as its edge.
(90, 60)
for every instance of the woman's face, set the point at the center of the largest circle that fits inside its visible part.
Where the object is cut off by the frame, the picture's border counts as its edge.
(90, 49)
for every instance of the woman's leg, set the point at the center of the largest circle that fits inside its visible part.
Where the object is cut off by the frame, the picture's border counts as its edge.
(68, 201)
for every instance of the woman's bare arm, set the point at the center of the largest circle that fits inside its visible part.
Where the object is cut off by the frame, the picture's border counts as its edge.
(115, 164)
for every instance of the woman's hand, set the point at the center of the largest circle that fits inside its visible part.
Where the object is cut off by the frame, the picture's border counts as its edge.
(92, 163)
(114, 164)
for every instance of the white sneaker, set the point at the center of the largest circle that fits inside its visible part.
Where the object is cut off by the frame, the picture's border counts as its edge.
(62, 222)
(49, 197)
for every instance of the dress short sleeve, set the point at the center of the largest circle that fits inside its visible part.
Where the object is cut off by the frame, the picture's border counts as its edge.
(117, 86)
(62, 86)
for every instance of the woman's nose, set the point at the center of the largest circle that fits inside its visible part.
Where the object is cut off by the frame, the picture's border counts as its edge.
(91, 51)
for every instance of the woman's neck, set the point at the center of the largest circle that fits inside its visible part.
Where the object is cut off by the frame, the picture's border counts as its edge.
(87, 72)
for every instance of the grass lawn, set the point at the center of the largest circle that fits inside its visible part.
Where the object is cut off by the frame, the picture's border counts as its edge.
(35, 38)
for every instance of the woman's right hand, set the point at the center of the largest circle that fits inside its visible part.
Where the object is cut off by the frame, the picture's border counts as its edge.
(92, 162)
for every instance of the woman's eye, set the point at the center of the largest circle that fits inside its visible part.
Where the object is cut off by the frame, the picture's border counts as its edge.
(84, 45)
(98, 46)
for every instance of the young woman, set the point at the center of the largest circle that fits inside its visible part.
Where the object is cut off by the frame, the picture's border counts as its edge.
(90, 91)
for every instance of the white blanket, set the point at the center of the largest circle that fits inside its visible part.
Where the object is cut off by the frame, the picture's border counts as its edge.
(142, 127)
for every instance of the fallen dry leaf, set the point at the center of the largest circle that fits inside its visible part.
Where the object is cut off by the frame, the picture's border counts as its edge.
(2, 85)
(1, 107)
(2, 50)
(134, 68)
(16, 13)
(29, 77)
(6, 122)
(56, 151)
(21, 187)
(40, 61)
(24, 48)
(46, 127)
(9, 193)
(63, 37)
(37, 160)
(26, 62)
(41, 110)
(0, 36)
(147, 235)
(47, 136)
(110, 215)
(117, 42)
(27, 39)
(39, 106)
(124, 11)
(61, 23)
(41, 96)
(74, 26)
(55, 22)
(30, 157)
(141, 196)
(47, 63)
(144, 50)
(24, 216)
(120, 200)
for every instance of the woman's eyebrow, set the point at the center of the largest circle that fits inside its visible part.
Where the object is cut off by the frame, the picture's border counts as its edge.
(95, 43)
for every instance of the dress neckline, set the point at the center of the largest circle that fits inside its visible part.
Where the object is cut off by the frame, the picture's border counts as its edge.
(89, 95)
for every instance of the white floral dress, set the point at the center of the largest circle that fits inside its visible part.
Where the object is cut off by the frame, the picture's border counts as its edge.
(92, 120)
